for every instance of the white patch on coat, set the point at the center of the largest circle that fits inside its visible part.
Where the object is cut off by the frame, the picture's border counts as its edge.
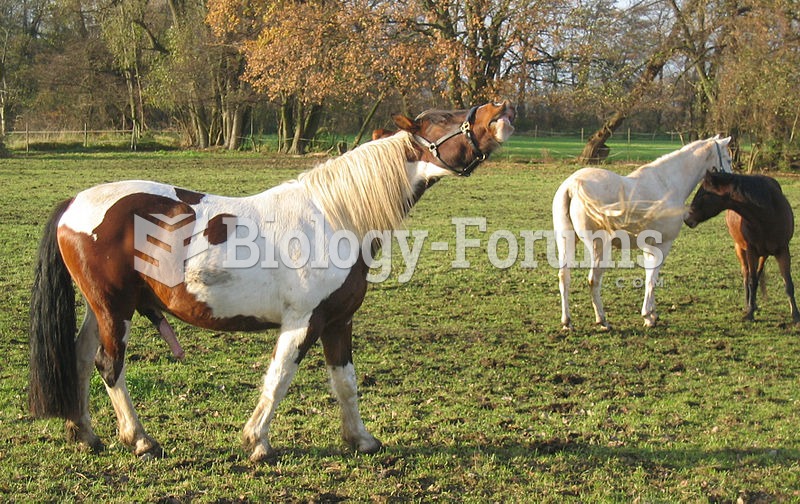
(88, 209)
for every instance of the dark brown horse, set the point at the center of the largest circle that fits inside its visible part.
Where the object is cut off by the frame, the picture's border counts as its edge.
(294, 257)
(759, 219)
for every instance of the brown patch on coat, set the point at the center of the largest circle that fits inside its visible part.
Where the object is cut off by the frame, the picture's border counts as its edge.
(217, 231)
(189, 197)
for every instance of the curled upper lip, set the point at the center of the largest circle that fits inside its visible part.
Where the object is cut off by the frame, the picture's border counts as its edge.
(507, 112)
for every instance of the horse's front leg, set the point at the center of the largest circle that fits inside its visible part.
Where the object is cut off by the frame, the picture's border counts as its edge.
(652, 267)
(292, 345)
(751, 284)
(337, 344)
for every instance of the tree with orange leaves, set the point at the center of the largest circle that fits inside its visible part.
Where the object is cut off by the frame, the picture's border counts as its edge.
(304, 54)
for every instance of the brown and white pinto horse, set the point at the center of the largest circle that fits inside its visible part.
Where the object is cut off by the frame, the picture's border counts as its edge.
(93, 241)
(760, 221)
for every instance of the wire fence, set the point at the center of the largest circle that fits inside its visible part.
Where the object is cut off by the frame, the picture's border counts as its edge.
(27, 138)
(538, 144)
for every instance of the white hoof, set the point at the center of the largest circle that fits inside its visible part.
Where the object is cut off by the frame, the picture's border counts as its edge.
(365, 444)
(261, 452)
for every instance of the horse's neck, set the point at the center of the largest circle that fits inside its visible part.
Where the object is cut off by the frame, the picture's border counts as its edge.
(747, 209)
(422, 175)
(679, 175)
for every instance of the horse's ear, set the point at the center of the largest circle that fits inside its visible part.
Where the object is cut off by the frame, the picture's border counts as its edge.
(405, 123)
(725, 141)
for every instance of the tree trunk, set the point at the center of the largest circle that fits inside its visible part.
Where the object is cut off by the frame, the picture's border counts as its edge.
(367, 120)
(306, 123)
(200, 127)
(596, 150)
(285, 125)
(235, 127)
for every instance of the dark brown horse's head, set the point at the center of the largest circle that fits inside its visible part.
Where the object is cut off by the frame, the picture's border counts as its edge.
(459, 140)
(711, 198)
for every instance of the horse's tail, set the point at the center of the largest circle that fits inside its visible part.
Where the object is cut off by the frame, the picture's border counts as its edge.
(562, 223)
(53, 375)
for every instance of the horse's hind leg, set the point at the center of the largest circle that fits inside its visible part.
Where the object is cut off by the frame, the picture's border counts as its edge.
(289, 351)
(563, 287)
(595, 285)
(110, 363)
(566, 252)
(337, 344)
(785, 265)
(80, 429)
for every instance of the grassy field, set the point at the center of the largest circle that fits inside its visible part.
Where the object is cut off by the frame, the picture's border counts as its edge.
(464, 373)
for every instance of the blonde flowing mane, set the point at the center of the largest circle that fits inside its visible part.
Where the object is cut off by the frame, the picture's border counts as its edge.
(366, 189)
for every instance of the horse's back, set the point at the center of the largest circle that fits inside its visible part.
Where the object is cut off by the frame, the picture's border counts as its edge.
(771, 227)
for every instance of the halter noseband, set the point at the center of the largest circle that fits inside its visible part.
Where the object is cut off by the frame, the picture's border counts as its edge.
(466, 130)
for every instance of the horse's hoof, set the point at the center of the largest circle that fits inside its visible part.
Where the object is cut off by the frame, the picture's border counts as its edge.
(148, 450)
(262, 453)
(147, 457)
(95, 446)
(86, 439)
(367, 447)
(567, 328)
(604, 326)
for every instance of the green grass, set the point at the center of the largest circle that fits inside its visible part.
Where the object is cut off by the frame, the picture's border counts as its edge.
(464, 374)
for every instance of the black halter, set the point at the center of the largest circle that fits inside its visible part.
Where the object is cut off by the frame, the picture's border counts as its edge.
(719, 155)
(466, 130)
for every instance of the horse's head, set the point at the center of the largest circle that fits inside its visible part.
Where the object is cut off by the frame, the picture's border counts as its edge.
(711, 198)
(460, 140)
(721, 155)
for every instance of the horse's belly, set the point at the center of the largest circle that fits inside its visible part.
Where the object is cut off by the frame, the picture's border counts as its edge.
(272, 293)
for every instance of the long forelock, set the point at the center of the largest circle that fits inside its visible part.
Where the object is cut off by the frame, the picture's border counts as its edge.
(366, 189)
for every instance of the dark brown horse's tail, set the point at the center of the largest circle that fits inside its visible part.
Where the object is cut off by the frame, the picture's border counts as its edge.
(53, 375)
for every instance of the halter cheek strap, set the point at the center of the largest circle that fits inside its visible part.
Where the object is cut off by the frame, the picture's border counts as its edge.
(719, 155)
(466, 130)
